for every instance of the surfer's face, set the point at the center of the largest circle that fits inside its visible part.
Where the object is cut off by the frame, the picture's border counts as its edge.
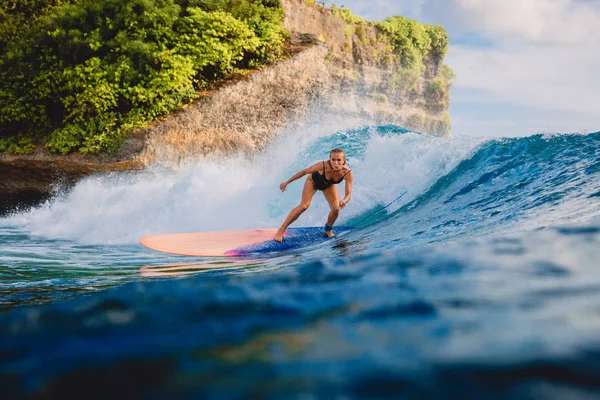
(337, 160)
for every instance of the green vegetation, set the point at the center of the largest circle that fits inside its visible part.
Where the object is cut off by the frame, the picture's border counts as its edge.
(17, 145)
(406, 80)
(437, 94)
(346, 15)
(80, 73)
(411, 48)
(437, 90)
(76, 75)
(379, 97)
(361, 34)
(414, 41)
(405, 46)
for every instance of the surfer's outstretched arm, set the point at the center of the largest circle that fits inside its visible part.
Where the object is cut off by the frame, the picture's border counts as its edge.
(347, 189)
(299, 175)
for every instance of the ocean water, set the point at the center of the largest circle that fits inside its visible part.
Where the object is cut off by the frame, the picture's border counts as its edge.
(473, 271)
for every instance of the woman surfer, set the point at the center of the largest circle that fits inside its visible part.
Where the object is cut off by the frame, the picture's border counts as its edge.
(336, 169)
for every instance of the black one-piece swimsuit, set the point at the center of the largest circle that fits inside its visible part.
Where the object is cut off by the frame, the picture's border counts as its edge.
(321, 182)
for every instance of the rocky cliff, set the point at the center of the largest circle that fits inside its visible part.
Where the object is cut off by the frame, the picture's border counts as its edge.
(343, 70)
(334, 68)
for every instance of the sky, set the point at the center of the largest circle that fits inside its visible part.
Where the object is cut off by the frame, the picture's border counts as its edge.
(522, 66)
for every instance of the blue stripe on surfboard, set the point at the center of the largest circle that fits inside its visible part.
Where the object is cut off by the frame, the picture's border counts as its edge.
(295, 238)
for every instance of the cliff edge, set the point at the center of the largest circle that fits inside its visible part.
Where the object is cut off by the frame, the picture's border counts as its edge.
(335, 67)
(344, 70)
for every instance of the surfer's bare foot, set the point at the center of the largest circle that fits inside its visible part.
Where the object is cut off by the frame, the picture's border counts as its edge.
(278, 237)
(329, 234)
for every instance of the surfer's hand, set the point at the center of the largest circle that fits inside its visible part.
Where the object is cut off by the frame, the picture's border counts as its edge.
(283, 186)
(342, 204)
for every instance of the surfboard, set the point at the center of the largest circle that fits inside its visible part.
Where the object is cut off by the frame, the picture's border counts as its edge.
(235, 243)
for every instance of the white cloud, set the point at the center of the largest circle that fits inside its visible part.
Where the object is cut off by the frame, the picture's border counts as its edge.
(537, 21)
(529, 75)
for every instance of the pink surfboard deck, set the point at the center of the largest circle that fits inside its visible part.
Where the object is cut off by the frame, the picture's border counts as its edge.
(234, 243)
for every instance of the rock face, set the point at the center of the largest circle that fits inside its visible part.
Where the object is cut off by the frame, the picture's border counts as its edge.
(343, 71)
(246, 116)
(366, 79)
(27, 181)
(338, 68)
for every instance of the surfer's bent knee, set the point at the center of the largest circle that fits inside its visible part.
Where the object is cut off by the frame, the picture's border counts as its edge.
(304, 206)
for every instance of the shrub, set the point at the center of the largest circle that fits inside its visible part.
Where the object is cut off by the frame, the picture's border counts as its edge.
(84, 71)
(17, 145)
(405, 80)
(409, 38)
(379, 97)
(439, 40)
(346, 15)
(437, 94)
(362, 34)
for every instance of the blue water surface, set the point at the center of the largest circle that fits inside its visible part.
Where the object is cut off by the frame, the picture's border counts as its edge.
(483, 283)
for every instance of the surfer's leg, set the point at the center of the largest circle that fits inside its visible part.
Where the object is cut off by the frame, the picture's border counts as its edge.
(333, 198)
(307, 194)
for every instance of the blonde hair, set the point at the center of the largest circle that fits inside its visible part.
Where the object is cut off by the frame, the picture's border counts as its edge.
(338, 150)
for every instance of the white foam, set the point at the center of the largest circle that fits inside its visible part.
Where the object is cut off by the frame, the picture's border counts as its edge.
(240, 193)
(408, 163)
